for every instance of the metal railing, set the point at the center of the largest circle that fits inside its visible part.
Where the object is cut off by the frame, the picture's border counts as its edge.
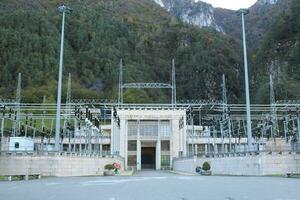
(254, 152)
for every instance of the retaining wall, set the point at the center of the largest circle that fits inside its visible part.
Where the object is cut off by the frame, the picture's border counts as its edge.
(54, 165)
(252, 165)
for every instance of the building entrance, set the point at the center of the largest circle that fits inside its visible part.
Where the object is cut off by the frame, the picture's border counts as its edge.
(148, 157)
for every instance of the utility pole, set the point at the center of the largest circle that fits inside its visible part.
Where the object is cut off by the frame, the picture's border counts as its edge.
(63, 9)
(243, 12)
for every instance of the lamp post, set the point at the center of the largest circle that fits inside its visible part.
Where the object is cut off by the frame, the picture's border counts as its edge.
(63, 9)
(243, 12)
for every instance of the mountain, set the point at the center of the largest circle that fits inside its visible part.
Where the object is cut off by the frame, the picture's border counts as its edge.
(196, 13)
(278, 55)
(98, 34)
(262, 15)
(272, 40)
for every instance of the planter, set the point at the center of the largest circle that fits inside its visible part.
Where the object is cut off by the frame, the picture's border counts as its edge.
(108, 173)
(205, 173)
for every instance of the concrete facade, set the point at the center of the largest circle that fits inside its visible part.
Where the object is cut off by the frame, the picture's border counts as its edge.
(252, 165)
(145, 127)
(55, 165)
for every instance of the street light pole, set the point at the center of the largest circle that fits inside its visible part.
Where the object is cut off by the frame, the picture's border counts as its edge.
(244, 12)
(63, 9)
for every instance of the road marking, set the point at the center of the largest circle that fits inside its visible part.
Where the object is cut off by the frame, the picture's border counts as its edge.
(118, 181)
(53, 183)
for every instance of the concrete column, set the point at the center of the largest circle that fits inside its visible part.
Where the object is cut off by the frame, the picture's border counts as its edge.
(122, 137)
(138, 155)
(158, 148)
(101, 151)
(158, 155)
(184, 138)
(196, 149)
(112, 135)
(206, 148)
(138, 149)
(171, 141)
(126, 145)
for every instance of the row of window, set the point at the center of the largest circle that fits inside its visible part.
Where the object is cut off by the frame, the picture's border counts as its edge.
(165, 145)
(149, 128)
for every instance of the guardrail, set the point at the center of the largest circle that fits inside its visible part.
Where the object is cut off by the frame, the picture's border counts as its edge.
(56, 153)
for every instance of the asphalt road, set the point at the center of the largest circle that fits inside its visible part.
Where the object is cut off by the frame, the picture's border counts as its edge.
(152, 185)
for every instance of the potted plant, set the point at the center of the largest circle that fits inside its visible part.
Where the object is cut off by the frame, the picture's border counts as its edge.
(109, 170)
(206, 169)
(198, 170)
(117, 167)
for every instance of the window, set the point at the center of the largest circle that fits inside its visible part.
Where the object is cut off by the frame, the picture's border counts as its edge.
(165, 145)
(165, 160)
(132, 145)
(132, 128)
(165, 129)
(148, 128)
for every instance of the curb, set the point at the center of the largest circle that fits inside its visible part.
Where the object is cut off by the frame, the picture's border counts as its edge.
(182, 173)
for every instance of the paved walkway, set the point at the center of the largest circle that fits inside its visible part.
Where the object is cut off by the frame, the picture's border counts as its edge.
(153, 185)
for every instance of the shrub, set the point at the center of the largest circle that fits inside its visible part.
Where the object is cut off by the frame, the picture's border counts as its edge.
(109, 167)
(206, 166)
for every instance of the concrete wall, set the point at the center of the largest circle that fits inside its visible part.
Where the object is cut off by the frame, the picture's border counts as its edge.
(55, 165)
(259, 165)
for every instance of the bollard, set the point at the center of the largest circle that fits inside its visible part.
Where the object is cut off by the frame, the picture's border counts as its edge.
(9, 178)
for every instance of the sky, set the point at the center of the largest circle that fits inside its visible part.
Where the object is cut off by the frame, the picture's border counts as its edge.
(231, 4)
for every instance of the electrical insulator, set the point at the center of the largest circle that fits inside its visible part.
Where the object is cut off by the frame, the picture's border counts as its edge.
(86, 112)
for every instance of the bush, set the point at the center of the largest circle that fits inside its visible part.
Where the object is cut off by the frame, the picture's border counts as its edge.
(206, 166)
(109, 167)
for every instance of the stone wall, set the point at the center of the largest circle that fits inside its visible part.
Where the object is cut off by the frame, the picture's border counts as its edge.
(252, 165)
(54, 165)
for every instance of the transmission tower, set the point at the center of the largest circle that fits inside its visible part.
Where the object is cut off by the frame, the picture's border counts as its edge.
(225, 123)
(120, 92)
(155, 85)
(68, 101)
(17, 109)
(273, 108)
(173, 83)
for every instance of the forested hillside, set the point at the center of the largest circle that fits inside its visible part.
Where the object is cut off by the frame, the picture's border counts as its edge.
(279, 55)
(98, 34)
